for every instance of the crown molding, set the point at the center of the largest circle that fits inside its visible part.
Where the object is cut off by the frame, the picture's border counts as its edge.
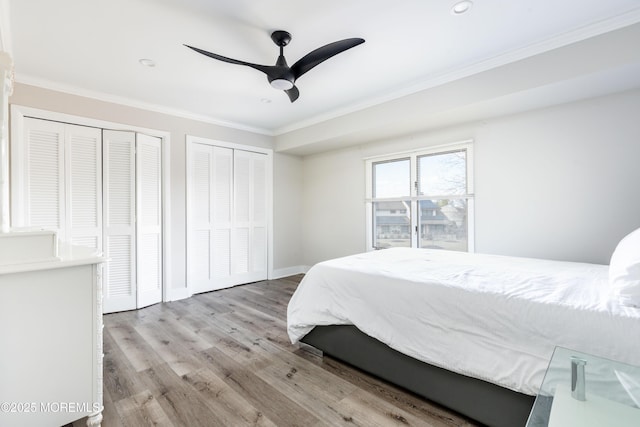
(573, 36)
(129, 102)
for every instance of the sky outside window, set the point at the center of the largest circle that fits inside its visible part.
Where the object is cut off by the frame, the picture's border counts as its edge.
(442, 174)
(392, 179)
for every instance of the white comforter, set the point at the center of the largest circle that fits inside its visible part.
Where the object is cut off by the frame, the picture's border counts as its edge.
(491, 317)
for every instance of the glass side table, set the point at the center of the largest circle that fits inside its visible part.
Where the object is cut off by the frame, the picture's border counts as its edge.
(584, 390)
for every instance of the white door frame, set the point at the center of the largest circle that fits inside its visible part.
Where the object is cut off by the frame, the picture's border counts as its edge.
(19, 112)
(190, 140)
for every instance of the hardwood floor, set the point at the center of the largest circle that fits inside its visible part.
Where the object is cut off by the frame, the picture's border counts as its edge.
(224, 359)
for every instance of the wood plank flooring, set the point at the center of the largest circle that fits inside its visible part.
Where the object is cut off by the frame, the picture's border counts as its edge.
(224, 359)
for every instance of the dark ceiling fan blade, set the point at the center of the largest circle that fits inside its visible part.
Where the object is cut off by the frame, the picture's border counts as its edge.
(293, 93)
(280, 75)
(321, 54)
(264, 68)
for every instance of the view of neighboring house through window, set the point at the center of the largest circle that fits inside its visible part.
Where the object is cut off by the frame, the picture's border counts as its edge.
(392, 218)
(421, 199)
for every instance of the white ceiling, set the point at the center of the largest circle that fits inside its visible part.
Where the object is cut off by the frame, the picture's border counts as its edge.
(92, 48)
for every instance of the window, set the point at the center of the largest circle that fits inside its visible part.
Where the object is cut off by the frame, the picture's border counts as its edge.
(421, 199)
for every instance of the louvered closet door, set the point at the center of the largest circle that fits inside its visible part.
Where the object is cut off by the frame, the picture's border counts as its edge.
(222, 205)
(43, 176)
(84, 186)
(149, 225)
(210, 204)
(199, 265)
(227, 217)
(249, 241)
(119, 280)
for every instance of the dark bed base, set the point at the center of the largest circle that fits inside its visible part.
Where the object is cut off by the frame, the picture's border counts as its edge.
(482, 401)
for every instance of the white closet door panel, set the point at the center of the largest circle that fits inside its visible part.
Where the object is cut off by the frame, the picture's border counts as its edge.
(199, 214)
(119, 178)
(210, 212)
(148, 170)
(119, 268)
(242, 186)
(43, 175)
(223, 186)
(199, 260)
(259, 199)
(84, 185)
(120, 292)
(259, 249)
(149, 225)
(249, 249)
(201, 194)
(258, 225)
(221, 246)
(222, 254)
(149, 269)
(242, 193)
(241, 243)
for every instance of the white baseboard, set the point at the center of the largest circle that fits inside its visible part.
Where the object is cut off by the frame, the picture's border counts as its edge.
(177, 294)
(289, 271)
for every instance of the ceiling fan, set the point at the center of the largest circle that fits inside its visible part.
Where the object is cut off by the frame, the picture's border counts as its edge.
(280, 75)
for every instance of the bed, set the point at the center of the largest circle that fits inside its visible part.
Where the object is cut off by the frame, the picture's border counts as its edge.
(473, 332)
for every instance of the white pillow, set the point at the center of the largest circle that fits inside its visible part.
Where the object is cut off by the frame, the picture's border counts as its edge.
(624, 270)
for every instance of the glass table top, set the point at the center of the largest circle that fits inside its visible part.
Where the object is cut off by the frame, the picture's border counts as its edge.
(583, 390)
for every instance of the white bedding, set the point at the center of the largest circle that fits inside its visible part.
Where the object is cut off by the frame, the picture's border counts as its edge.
(491, 317)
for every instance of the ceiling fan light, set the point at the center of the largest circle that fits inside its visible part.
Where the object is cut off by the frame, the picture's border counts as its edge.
(281, 84)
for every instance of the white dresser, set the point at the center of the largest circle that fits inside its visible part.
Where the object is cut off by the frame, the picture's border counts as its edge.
(51, 338)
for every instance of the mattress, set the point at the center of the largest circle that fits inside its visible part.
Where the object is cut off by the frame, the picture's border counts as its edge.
(490, 317)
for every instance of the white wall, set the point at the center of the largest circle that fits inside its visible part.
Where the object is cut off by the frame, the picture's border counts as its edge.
(333, 205)
(558, 183)
(287, 216)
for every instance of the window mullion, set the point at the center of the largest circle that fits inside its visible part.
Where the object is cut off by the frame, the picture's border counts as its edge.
(414, 223)
(415, 212)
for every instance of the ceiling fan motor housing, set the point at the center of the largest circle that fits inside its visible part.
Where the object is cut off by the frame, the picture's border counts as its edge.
(281, 38)
(281, 76)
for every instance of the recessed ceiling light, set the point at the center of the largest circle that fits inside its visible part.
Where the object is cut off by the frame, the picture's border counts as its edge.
(461, 7)
(147, 62)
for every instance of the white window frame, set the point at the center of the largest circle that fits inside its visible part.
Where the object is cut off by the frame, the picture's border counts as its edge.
(413, 156)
